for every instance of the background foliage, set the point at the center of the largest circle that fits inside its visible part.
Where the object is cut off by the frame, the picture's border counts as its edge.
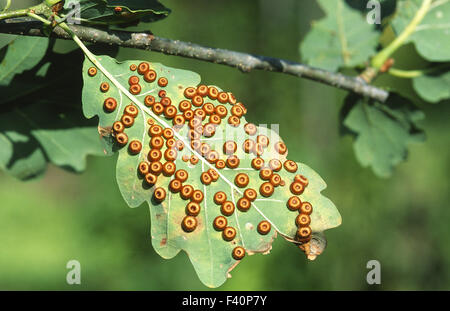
(401, 221)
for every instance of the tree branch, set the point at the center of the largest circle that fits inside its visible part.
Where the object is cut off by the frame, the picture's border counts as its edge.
(243, 61)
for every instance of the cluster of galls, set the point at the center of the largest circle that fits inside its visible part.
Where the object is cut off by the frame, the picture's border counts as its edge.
(194, 109)
(187, 192)
(203, 118)
(227, 209)
(159, 138)
(304, 209)
(268, 173)
(202, 121)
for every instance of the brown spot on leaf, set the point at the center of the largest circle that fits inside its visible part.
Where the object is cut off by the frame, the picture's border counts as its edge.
(104, 131)
(315, 246)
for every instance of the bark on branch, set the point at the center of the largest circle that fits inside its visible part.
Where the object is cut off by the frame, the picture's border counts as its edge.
(243, 61)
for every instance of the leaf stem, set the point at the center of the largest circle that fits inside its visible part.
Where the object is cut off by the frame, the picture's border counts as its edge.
(410, 74)
(379, 59)
(14, 14)
(406, 74)
(38, 9)
(6, 8)
(37, 17)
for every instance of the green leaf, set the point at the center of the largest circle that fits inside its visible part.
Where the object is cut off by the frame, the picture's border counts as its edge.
(112, 12)
(342, 39)
(431, 35)
(210, 255)
(6, 39)
(6, 151)
(23, 54)
(382, 131)
(433, 88)
(45, 132)
(40, 123)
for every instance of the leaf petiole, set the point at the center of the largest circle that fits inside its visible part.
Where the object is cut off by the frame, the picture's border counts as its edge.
(6, 8)
(14, 14)
(41, 19)
(410, 74)
(40, 9)
(406, 74)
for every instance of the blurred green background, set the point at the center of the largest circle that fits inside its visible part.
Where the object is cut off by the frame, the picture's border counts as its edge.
(403, 222)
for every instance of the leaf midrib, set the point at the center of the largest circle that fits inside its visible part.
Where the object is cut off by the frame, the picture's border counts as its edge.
(341, 34)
